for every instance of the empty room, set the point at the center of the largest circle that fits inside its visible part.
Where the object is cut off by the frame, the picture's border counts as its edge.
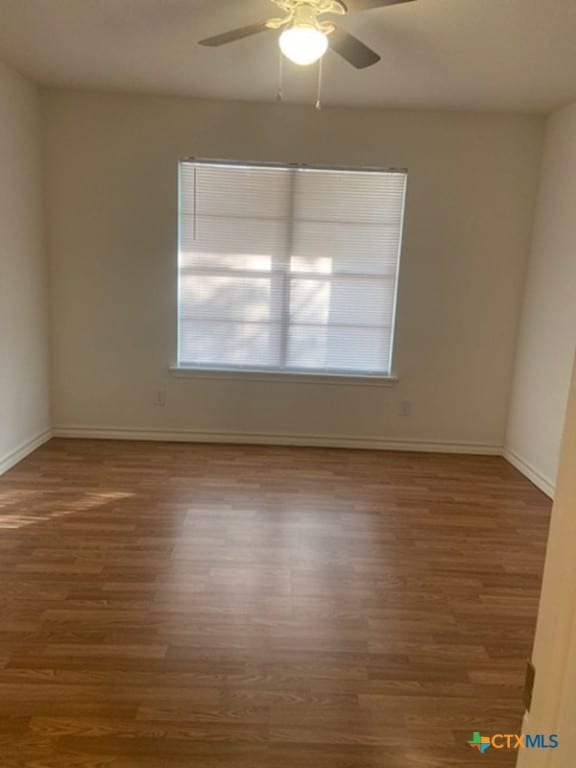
(287, 404)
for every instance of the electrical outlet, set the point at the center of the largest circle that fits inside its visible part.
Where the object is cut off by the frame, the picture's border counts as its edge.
(160, 398)
(405, 408)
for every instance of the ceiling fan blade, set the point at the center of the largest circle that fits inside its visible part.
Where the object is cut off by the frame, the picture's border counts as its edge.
(234, 34)
(352, 49)
(366, 5)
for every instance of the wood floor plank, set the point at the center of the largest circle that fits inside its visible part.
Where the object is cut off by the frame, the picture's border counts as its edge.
(168, 605)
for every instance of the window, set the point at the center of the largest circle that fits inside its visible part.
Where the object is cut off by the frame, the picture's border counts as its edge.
(290, 269)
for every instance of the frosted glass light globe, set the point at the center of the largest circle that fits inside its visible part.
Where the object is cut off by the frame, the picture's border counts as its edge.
(303, 45)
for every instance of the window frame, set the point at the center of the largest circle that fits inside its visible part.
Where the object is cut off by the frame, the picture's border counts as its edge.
(292, 374)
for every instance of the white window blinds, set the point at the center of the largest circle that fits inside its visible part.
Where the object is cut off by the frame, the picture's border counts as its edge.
(288, 268)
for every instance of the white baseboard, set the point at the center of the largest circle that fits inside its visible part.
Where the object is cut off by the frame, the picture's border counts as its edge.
(322, 441)
(23, 450)
(528, 470)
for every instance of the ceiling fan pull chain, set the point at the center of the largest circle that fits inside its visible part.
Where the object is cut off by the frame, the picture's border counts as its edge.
(280, 93)
(319, 92)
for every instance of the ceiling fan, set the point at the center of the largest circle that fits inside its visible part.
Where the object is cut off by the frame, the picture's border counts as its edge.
(306, 36)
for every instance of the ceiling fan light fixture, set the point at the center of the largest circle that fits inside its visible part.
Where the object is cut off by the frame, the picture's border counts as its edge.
(303, 44)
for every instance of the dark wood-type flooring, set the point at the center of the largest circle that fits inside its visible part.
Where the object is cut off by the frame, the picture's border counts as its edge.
(183, 606)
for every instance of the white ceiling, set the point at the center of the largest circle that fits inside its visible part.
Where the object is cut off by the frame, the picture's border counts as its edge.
(482, 54)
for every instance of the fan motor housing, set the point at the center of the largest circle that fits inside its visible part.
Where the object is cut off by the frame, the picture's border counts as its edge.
(315, 7)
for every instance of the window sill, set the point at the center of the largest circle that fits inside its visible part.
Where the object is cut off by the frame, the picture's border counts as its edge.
(281, 377)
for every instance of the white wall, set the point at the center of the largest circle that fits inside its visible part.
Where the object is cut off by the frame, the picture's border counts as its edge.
(111, 180)
(548, 330)
(24, 379)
